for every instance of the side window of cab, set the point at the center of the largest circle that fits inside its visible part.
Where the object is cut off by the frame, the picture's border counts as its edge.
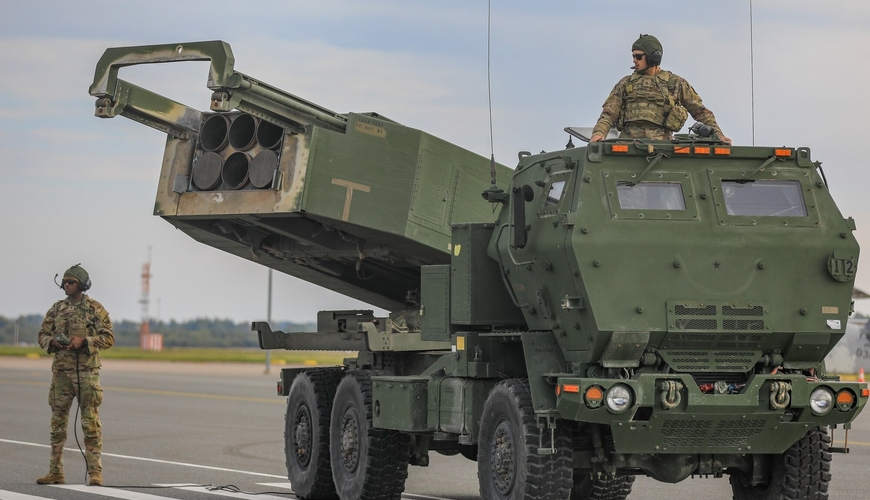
(555, 193)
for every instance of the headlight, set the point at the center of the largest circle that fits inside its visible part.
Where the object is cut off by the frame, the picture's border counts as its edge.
(619, 398)
(821, 401)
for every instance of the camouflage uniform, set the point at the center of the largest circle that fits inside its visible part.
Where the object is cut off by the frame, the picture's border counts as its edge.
(76, 374)
(639, 104)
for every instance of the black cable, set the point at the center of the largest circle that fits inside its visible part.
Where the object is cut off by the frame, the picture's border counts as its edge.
(235, 489)
(76, 418)
(158, 487)
(819, 166)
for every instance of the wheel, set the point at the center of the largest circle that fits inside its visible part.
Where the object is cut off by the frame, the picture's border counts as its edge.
(306, 433)
(367, 463)
(508, 465)
(801, 473)
(611, 488)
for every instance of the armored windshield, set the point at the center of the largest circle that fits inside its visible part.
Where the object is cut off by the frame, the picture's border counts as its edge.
(764, 198)
(650, 196)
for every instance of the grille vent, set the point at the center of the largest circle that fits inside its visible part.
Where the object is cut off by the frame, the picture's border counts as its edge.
(706, 361)
(699, 316)
(706, 433)
(750, 311)
(682, 310)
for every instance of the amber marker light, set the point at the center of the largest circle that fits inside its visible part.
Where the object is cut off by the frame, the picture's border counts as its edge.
(845, 397)
(702, 150)
(721, 151)
(571, 388)
(865, 393)
(594, 396)
(845, 400)
(619, 148)
(782, 153)
(682, 150)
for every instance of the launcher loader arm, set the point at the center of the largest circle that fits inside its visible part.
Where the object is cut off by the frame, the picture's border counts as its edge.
(231, 90)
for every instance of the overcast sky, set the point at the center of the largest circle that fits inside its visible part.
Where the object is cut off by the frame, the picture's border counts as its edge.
(76, 188)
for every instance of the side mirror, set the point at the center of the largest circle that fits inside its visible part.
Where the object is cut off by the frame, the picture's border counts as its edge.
(519, 197)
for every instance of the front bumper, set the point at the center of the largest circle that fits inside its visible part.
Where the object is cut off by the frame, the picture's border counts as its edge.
(706, 423)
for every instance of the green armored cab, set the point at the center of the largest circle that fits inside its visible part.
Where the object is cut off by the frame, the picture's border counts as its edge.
(619, 309)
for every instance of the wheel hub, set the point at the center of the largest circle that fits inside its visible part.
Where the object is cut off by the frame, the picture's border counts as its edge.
(302, 435)
(349, 442)
(502, 456)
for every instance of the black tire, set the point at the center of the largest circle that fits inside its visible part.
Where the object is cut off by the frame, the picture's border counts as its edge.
(803, 472)
(508, 465)
(367, 463)
(611, 488)
(306, 433)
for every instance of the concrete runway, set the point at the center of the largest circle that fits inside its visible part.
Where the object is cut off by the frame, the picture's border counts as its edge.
(222, 424)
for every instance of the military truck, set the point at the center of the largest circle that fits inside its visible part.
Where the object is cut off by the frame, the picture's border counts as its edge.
(625, 308)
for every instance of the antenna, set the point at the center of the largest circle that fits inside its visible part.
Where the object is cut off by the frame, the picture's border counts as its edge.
(494, 194)
(752, 72)
(489, 89)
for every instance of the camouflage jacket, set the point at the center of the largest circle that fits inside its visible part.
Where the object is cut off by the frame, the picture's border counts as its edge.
(641, 99)
(87, 318)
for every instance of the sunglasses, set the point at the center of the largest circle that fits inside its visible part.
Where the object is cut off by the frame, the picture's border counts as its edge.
(637, 57)
(70, 282)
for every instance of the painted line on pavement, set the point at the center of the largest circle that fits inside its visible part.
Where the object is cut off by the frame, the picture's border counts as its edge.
(154, 460)
(275, 400)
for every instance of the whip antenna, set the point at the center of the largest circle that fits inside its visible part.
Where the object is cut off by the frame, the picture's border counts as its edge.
(493, 194)
(489, 90)
(752, 73)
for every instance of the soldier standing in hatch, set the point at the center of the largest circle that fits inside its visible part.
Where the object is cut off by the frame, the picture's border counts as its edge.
(75, 330)
(651, 103)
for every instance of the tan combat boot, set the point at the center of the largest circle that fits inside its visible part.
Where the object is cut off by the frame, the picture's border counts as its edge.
(52, 478)
(96, 479)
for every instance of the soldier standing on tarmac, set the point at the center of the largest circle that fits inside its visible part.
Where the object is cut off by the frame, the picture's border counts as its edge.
(75, 330)
(651, 103)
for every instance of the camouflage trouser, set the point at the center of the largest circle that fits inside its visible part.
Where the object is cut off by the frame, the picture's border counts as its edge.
(642, 130)
(65, 388)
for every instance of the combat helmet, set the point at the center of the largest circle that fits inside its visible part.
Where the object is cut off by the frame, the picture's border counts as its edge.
(78, 273)
(651, 46)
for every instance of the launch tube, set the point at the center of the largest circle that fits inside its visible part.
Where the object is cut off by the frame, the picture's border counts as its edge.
(243, 132)
(235, 170)
(213, 135)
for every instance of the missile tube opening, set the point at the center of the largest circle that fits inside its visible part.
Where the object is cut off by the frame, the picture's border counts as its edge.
(235, 170)
(243, 132)
(213, 135)
(269, 135)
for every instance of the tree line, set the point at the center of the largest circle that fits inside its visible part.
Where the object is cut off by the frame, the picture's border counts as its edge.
(199, 332)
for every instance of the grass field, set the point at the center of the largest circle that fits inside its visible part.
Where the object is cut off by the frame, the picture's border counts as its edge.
(204, 355)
